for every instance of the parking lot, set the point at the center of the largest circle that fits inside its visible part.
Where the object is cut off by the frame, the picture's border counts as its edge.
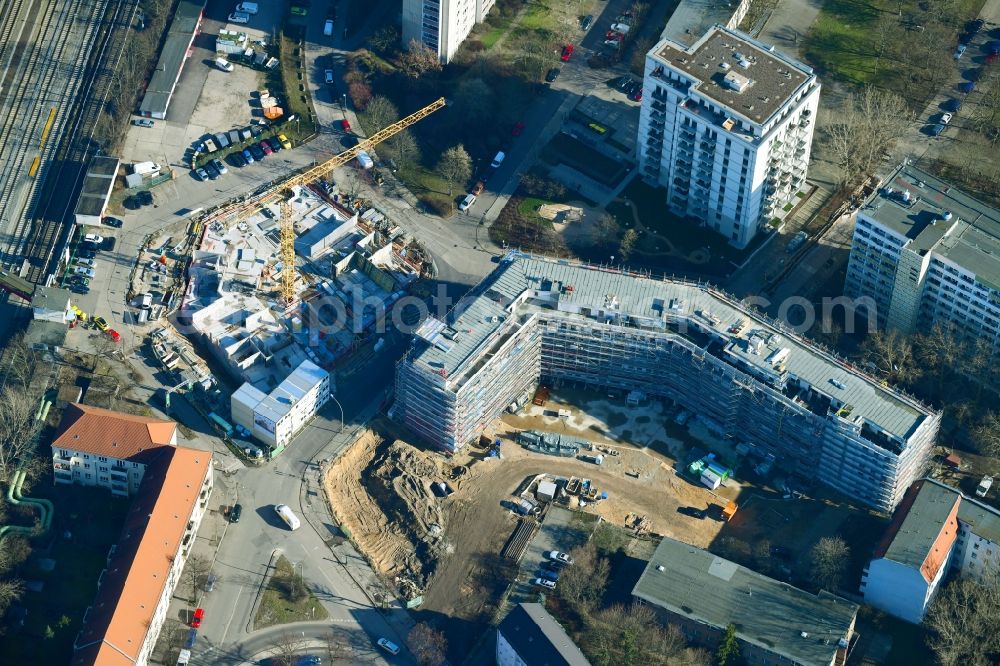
(561, 531)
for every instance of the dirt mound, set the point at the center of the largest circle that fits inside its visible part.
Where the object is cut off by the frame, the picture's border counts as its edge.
(381, 492)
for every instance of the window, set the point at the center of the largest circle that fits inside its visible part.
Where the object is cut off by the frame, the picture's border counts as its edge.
(103, 459)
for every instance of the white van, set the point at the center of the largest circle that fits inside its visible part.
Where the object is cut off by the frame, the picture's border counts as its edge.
(328, 28)
(239, 17)
(224, 64)
(146, 301)
(498, 160)
(467, 202)
(246, 8)
(146, 168)
(288, 516)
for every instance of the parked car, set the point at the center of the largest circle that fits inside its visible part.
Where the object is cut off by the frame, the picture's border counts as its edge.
(547, 584)
(85, 252)
(143, 122)
(101, 323)
(266, 149)
(198, 617)
(797, 241)
(96, 239)
(552, 74)
(112, 222)
(220, 167)
(328, 28)
(467, 202)
(557, 556)
(257, 153)
(953, 105)
(974, 26)
(960, 51)
(285, 143)
(586, 22)
(345, 124)
(328, 77)
(548, 574)
(247, 156)
(213, 173)
(478, 188)
(937, 130)
(235, 513)
(518, 128)
(498, 160)
(89, 263)
(274, 143)
(145, 198)
(946, 118)
(239, 17)
(201, 173)
(210, 583)
(567, 53)
(388, 646)
(114, 335)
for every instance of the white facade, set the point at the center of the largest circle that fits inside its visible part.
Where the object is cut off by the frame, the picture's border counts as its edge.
(442, 25)
(927, 253)
(726, 127)
(121, 477)
(275, 418)
(900, 590)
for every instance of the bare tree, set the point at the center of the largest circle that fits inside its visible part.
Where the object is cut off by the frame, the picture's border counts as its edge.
(986, 434)
(964, 624)
(169, 641)
(828, 559)
(196, 571)
(455, 166)
(633, 636)
(402, 148)
(427, 644)
(11, 590)
(627, 244)
(286, 645)
(380, 113)
(338, 645)
(940, 350)
(18, 428)
(605, 231)
(866, 129)
(583, 584)
(384, 39)
(418, 60)
(17, 364)
(891, 353)
(985, 117)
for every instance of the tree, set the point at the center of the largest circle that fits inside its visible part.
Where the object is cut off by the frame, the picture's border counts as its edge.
(891, 353)
(455, 166)
(286, 645)
(866, 129)
(18, 428)
(380, 113)
(427, 644)
(402, 148)
(633, 636)
(583, 584)
(196, 571)
(384, 39)
(986, 434)
(964, 623)
(418, 60)
(728, 649)
(627, 244)
(474, 100)
(338, 645)
(985, 117)
(360, 94)
(828, 559)
(940, 350)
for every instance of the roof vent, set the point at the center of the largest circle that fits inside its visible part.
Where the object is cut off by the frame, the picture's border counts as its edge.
(804, 634)
(660, 567)
(946, 216)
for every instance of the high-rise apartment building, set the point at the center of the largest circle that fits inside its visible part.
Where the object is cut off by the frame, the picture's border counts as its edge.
(925, 252)
(726, 127)
(442, 25)
(537, 319)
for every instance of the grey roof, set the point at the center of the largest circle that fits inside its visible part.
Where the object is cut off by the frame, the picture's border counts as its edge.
(911, 540)
(982, 519)
(775, 77)
(538, 639)
(974, 243)
(50, 298)
(767, 613)
(579, 285)
(692, 19)
(97, 186)
(172, 57)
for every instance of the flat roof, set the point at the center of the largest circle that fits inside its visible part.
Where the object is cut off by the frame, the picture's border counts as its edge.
(917, 524)
(50, 298)
(545, 283)
(784, 620)
(914, 203)
(775, 78)
(132, 585)
(692, 18)
(97, 186)
(172, 56)
(538, 638)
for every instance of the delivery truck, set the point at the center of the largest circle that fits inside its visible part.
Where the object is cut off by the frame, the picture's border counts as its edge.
(288, 516)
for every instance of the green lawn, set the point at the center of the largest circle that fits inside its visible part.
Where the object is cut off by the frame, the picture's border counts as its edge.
(277, 608)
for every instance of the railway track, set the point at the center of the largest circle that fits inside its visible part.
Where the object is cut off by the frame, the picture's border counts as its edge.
(48, 122)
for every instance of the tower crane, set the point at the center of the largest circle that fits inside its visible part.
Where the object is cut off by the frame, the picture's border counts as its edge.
(240, 210)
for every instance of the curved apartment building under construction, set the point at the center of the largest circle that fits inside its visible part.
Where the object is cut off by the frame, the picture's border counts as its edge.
(539, 319)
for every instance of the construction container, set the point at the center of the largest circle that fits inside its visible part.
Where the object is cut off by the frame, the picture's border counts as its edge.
(547, 491)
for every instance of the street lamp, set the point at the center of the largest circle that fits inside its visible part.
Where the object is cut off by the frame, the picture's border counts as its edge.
(343, 101)
(342, 424)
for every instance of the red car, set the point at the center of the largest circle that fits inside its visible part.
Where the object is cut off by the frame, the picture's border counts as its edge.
(266, 148)
(611, 34)
(637, 95)
(567, 53)
(518, 128)
(345, 125)
(115, 335)
(198, 616)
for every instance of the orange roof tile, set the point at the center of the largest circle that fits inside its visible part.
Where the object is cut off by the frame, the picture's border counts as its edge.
(103, 432)
(134, 581)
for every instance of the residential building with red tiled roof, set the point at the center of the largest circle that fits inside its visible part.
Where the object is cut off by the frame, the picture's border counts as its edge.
(100, 447)
(935, 529)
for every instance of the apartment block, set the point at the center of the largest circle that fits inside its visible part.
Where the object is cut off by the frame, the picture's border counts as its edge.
(276, 418)
(529, 635)
(99, 447)
(776, 623)
(726, 127)
(442, 25)
(746, 378)
(925, 253)
(936, 529)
